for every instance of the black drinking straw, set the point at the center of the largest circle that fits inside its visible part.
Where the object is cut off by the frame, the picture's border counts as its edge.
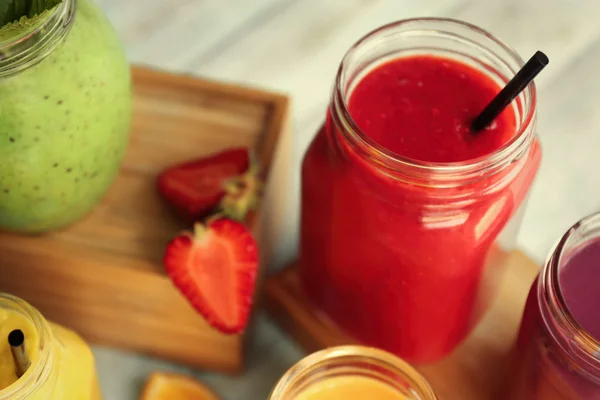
(16, 340)
(512, 89)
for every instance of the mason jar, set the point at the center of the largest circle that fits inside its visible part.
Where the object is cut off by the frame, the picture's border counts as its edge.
(404, 254)
(65, 110)
(557, 354)
(368, 373)
(62, 364)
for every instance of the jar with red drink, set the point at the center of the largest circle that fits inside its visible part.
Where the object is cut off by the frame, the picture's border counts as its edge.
(400, 253)
(557, 355)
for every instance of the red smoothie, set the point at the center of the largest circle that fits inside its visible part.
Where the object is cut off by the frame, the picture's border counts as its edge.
(420, 107)
(403, 266)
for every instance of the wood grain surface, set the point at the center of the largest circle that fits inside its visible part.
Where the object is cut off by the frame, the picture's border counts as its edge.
(103, 276)
(473, 372)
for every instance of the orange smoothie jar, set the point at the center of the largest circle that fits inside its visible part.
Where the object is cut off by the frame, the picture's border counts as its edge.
(352, 373)
(62, 364)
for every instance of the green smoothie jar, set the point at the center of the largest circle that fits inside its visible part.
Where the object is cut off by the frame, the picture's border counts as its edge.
(65, 112)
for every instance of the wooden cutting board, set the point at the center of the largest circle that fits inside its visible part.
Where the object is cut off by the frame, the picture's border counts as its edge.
(103, 276)
(473, 372)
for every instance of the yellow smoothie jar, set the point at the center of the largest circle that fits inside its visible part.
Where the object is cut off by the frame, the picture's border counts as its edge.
(352, 373)
(62, 364)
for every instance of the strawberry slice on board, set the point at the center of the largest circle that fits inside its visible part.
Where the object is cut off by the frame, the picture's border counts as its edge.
(226, 182)
(215, 268)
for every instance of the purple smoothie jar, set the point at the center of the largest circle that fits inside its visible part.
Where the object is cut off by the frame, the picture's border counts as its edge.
(558, 348)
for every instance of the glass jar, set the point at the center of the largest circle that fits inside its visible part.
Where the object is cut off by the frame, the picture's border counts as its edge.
(555, 357)
(401, 254)
(62, 364)
(65, 110)
(353, 362)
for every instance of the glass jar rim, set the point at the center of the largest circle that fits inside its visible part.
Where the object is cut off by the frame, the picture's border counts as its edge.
(393, 161)
(40, 373)
(414, 379)
(579, 341)
(36, 43)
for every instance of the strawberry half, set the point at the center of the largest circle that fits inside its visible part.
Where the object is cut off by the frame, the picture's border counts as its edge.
(226, 181)
(215, 268)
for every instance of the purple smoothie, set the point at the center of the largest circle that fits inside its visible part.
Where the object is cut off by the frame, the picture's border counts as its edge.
(548, 363)
(580, 286)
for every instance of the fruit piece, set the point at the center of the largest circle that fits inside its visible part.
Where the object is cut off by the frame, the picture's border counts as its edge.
(227, 182)
(215, 268)
(163, 386)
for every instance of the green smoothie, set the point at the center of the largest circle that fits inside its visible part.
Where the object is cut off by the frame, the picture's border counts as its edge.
(64, 121)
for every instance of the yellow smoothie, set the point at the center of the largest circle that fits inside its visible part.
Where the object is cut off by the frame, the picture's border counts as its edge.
(62, 364)
(10, 320)
(350, 388)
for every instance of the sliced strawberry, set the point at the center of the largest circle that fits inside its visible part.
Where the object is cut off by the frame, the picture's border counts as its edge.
(215, 268)
(197, 188)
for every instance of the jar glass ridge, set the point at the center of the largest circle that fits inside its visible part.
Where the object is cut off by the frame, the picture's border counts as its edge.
(459, 40)
(38, 41)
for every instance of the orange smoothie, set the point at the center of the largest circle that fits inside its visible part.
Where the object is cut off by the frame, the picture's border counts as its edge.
(350, 388)
(352, 373)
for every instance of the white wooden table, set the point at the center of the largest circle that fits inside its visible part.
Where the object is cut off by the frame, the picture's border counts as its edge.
(294, 46)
